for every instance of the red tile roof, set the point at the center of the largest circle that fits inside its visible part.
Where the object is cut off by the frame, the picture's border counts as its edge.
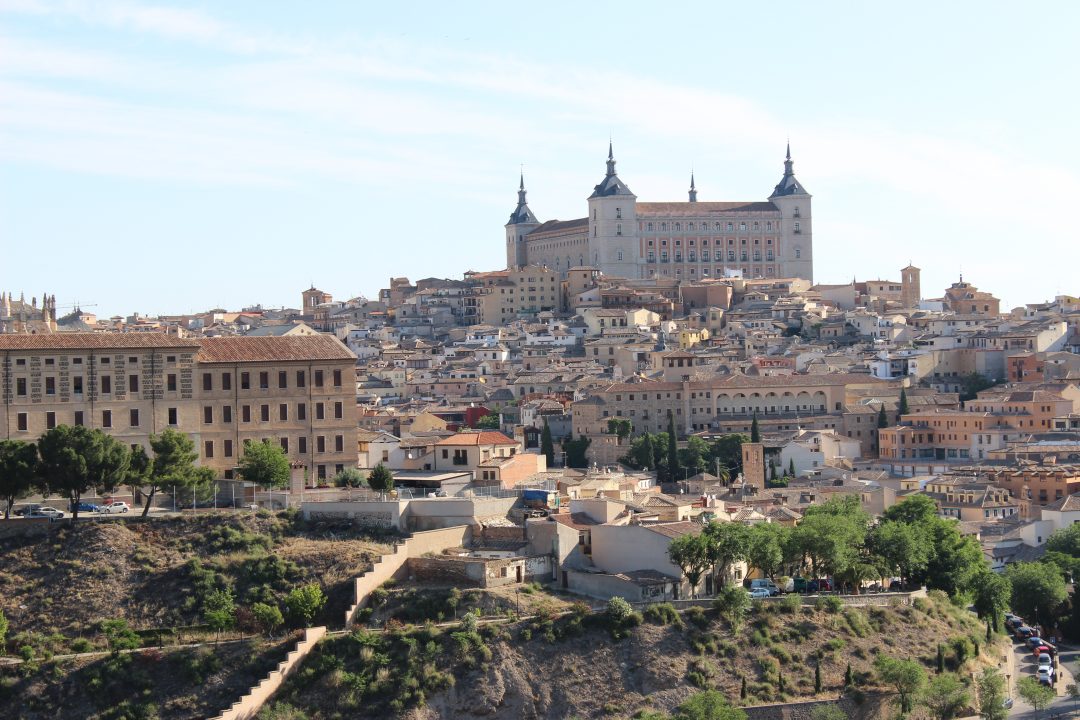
(485, 437)
(93, 341)
(273, 349)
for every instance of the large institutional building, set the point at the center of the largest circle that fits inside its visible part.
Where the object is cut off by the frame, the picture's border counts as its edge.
(692, 240)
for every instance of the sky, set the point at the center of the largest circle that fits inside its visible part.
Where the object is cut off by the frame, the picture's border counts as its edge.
(171, 158)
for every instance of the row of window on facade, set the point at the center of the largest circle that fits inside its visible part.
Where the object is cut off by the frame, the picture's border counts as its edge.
(173, 415)
(718, 256)
(106, 382)
(717, 227)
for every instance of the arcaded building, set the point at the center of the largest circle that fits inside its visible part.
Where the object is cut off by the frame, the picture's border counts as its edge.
(689, 241)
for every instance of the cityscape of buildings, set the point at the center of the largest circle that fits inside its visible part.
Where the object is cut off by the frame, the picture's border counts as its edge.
(698, 316)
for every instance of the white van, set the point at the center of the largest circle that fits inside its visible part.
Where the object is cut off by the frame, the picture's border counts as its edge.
(764, 584)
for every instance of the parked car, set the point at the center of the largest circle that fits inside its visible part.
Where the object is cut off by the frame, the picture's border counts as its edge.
(1033, 641)
(896, 586)
(1024, 632)
(822, 585)
(764, 584)
(1013, 621)
(117, 506)
(46, 511)
(84, 507)
(1045, 660)
(1045, 674)
(760, 592)
(1007, 703)
(1045, 649)
(26, 510)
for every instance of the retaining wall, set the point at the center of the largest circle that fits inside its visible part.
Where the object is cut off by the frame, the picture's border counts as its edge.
(874, 706)
(391, 565)
(250, 704)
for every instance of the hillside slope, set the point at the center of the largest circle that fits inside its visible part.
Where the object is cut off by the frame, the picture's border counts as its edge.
(571, 666)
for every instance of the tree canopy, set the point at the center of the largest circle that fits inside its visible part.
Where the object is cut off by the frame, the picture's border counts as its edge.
(264, 463)
(18, 471)
(1038, 589)
(76, 460)
(380, 479)
(173, 464)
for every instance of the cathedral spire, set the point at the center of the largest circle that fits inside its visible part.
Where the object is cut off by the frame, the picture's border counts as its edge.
(788, 185)
(693, 188)
(610, 159)
(522, 213)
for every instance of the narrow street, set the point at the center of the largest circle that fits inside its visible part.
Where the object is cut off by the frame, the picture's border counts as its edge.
(1021, 663)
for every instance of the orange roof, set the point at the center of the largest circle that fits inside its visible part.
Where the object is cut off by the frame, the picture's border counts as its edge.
(272, 349)
(93, 341)
(485, 437)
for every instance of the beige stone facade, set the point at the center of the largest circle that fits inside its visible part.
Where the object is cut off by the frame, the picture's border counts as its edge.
(297, 391)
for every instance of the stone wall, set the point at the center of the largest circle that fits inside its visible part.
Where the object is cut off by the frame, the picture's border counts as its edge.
(249, 705)
(393, 564)
(874, 706)
(456, 571)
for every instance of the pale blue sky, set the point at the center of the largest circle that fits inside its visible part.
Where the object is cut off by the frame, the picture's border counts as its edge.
(171, 158)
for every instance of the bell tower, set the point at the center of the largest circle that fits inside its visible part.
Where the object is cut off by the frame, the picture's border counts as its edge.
(521, 223)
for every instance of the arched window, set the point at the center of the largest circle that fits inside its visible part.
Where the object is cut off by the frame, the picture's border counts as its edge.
(717, 227)
(678, 227)
(663, 227)
(650, 226)
(690, 227)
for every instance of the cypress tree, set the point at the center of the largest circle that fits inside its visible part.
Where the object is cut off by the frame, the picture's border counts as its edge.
(547, 446)
(648, 451)
(940, 659)
(849, 677)
(674, 470)
(742, 689)
(882, 418)
(791, 467)
(903, 408)
(780, 682)
(755, 432)
(989, 633)
(817, 677)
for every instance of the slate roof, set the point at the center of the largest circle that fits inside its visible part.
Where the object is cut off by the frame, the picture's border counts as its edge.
(681, 209)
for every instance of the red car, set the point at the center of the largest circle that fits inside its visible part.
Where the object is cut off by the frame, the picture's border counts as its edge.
(1044, 648)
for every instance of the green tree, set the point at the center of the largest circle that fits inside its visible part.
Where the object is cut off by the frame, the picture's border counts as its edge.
(264, 463)
(1034, 693)
(640, 455)
(577, 452)
(620, 427)
(267, 617)
(674, 469)
(907, 677)
(728, 544)
(138, 469)
(219, 610)
(708, 705)
(817, 676)
(690, 553)
(727, 449)
(173, 464)
(990, 686)
(3, 632)
(755, 431)
(491, 421)
(1037, 590)
(1063, 549)
(119, 635)
(791, 467)
(946, 695)
(380, 479)
(903, 408)
(991, 595)
(955, 559)
(916, 509)
(692, 457)
(349, 477)
(304, 603)
(18, 471)
(972, 384)
(882, 418)
(547, 445)
(904, 548)
(832, 537)
(732, 604)
(76, 459)
(765, 547)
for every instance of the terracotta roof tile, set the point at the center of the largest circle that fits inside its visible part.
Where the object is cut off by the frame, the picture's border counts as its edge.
(486, 437)
(93, 341)
(273, 349)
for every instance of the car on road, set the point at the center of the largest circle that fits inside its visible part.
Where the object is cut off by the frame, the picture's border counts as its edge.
(822, 585)
(117, 506)
(46, 511)
(764, 584)
(1034, 641)
(1013, 621)
(760, 592)
(26, 510)
(1045, 675)
(1045, 649)
(1023, 632)
(1045, 660)
(85, 507)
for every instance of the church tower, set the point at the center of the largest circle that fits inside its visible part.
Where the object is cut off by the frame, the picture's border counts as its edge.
(910, 287)
(521, 223)
(796, 251)
(613, 236)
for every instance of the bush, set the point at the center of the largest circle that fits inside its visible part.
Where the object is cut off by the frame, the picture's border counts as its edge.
(697, 616)
(304, 603)
(790, 604)
(3, 632)
(663, 614)
(119, 635)
(857, 621)
(267, 617)
(618, 609)
(830, 604)
(732, 604)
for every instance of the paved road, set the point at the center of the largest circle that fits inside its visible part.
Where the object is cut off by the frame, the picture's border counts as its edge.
(1022, 664)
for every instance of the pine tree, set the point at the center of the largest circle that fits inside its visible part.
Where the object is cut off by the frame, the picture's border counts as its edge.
(817, 677)
(547, 446)
(674, 470)
(755, 432)
(903, 408)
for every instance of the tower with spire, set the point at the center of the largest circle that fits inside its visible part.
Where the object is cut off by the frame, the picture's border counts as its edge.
(612, 241)
(521, 223)
(795, 244)
(693, 188)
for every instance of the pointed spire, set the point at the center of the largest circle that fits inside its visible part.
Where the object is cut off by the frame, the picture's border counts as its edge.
(610, 159)
(788, 185)
(522, 213)
(693, 188)
(788, 163)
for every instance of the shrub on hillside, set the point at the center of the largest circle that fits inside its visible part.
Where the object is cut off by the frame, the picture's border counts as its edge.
(304, 603)
(663, 614)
